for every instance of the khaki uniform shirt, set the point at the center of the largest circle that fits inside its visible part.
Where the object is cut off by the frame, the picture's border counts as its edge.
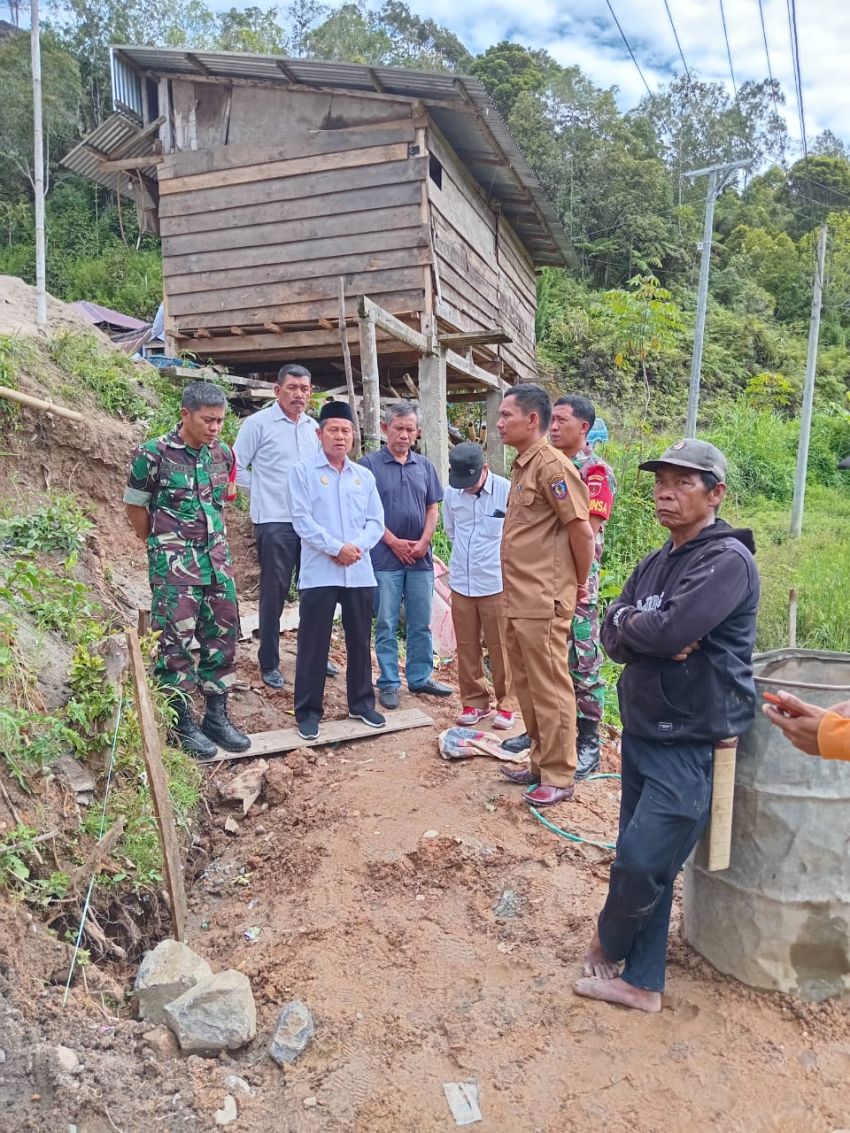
(538, 569)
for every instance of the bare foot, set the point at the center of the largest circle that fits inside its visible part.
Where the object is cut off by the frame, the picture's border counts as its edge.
(618, 991)
(596, 964)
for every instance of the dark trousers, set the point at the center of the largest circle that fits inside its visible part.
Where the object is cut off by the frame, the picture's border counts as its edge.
(314, 639)
(665, 805)
(279, 552)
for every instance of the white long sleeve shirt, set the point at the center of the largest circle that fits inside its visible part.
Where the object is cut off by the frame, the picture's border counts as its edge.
(330, 508)
(267, 446)
(474, 523)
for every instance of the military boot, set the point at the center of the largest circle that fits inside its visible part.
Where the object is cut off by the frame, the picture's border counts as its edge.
(587, 748)
(218, 726)
(186, 732)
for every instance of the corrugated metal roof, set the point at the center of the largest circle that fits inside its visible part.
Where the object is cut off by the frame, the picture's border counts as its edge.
(119, 134)
(95, 314)
(466, 116)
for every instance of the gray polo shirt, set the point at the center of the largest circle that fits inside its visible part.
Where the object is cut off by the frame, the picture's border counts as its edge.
(406, 491)
(268, 444)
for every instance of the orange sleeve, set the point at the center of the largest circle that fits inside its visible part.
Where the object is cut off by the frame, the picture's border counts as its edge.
(834, 736)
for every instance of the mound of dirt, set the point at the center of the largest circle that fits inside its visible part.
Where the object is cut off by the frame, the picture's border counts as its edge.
(17, 312)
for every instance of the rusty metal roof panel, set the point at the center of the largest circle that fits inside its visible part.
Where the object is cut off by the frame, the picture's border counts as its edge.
(464, 113)
(118, 134)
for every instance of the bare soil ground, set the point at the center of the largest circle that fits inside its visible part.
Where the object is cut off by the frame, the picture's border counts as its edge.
(389, 936)
(392, 940)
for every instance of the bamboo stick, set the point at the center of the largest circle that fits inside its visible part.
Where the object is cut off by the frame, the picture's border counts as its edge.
(38, 403)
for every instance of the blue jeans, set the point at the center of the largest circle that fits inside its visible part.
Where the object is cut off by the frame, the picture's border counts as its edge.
(416, 589)
(664, 808)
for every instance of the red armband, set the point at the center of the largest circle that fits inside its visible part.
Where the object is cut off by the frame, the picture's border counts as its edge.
(599, 491)
(230, 494)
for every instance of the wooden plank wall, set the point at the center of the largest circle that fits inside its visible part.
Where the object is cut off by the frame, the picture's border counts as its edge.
(484, 276)
(255, 234)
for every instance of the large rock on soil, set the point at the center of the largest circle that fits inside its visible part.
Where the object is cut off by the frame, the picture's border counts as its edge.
(166, 973)
(218, 1014)
(294, 1030)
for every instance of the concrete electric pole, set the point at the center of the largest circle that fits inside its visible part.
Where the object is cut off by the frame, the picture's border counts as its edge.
(38, 171)
(717, 180)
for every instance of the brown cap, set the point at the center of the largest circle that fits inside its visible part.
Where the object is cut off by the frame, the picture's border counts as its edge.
(691, 453)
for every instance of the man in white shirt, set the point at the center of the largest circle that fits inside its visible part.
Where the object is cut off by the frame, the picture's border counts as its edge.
(269, 443)
(474, 509)
(337, 512)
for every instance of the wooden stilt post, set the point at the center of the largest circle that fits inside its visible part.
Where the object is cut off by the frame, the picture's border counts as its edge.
(494, 448)
(433, 405)
(369, 377)
(357, 451)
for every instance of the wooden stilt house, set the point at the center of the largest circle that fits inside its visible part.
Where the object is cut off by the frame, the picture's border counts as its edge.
(270, 180)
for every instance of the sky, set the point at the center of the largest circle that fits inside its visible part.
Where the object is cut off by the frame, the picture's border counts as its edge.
(585, 34)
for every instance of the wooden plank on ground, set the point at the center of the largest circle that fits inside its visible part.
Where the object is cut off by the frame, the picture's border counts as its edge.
(152, 753)
(330, 732)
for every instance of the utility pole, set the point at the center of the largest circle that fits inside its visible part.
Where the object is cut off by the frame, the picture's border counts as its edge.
(808, 392)
(718, 176)
(38, 172)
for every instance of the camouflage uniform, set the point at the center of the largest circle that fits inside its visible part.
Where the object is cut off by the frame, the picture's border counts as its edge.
(189, 562)
(585, 651)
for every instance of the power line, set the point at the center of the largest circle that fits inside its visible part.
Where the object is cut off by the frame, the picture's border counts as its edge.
(782, 154)
(628, 46)
(732, 72)
(678, 44)
(791, 6)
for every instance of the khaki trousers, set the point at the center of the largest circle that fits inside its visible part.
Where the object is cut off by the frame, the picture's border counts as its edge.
(474, 619)
(539, 653)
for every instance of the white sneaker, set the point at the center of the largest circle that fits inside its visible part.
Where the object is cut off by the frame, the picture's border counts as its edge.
(504, 721)
(469, 717)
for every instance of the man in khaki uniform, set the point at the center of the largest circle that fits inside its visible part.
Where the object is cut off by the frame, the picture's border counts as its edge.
(547, 553)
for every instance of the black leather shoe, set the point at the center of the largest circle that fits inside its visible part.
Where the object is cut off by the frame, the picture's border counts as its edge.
(587, 749)
(332, 670)
(388, 697)
(186, 733)
(273, 678)
(433, 688)
(218, 726)
(516, 744)
(308, 728)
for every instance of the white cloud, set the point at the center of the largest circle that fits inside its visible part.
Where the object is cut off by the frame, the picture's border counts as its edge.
(586, 35)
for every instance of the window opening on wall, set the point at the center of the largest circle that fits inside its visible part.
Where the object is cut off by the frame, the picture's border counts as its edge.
(435, 171)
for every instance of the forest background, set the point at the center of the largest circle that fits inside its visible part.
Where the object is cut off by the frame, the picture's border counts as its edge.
(620, 327)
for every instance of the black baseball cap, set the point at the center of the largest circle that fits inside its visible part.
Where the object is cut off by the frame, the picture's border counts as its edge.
(465, 464)
(691, 453)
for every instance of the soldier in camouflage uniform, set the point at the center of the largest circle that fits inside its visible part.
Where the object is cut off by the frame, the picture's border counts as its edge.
(572, 419)
(175, 498)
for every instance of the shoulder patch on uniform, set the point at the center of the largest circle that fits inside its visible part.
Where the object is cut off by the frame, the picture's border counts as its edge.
(559, 489)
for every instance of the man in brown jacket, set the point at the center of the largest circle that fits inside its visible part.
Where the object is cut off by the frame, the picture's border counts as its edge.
(547, 552)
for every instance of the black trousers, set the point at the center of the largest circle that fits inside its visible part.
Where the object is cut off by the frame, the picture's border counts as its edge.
(279, 552)
(314, 639)
(664, 808)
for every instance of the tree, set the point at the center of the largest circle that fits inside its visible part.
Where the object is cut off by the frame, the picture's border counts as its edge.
(352, 34)
(61, 94)
(509, 70)
(816, 187)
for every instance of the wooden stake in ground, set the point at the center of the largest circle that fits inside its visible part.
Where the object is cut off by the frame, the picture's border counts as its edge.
(349, 373)
(152, 752)
(722, 798)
